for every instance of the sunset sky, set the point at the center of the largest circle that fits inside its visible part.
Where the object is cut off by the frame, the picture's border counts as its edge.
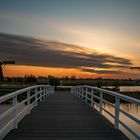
(85, 38)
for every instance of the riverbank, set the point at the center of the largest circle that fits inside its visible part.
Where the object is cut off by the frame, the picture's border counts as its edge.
(8, 89)
(134, 94)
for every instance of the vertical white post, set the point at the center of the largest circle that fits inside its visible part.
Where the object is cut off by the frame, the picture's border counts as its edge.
(36, 102)
(71, 90)
(46, 91)
(86, 94)
(15, 112)
(92, 98)
(28, 102)
(76, 91)
(117, 107)
(79, 92)
(43, 93)
(82, 90)
(40, 94)
(101, 102)
(53, 90)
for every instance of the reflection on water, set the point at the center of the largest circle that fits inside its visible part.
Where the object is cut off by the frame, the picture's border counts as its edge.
(130, 88)
(131, 109)
(125, 88)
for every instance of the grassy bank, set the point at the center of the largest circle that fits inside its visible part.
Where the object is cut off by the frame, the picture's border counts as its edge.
(134, 94)
(8, 89)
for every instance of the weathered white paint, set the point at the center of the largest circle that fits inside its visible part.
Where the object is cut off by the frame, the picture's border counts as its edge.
(39, 92)
(84, 93)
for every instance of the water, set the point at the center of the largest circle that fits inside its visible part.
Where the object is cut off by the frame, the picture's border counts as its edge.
(132, 109)
(130, 88)
(122, 88)
(126, 88)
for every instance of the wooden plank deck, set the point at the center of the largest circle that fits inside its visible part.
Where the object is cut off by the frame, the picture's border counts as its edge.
(64, 117)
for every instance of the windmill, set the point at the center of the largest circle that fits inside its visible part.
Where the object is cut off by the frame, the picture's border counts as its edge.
(3, 63)
(135, 68)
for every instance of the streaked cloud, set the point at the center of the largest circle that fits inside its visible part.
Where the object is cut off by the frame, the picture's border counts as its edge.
(102, 71)
(46, 53)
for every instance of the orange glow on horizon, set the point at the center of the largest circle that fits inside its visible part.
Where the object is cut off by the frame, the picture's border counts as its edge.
(22, 70)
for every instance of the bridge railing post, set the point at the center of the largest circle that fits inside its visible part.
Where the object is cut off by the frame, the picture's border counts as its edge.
(53, 90)
(44, 92)
(92, 104)
(14, 102)
(40, 94)
(36, 97)
(82, 94)
(76, 91)
(101, 102)
(86, 94)
(28, 102)
(50, 91)
(79, 92)
(117, 107)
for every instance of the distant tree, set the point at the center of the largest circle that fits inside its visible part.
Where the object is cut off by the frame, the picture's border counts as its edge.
(30, 78)
(66, 78)
(53, 81)
(99, 82)
(129, 79)
(116, 85)
(9, 79)
(19, 79)
(73, 78)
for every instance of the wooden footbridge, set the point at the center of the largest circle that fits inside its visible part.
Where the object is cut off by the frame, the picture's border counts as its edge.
(40, 113)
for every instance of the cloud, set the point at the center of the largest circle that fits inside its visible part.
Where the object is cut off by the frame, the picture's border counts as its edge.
(36, 52)
(102, 71)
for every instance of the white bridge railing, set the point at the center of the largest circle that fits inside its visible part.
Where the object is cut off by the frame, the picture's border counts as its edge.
(97, 96)
(20, 104)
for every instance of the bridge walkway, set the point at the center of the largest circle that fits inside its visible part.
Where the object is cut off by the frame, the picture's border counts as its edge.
(63, 116)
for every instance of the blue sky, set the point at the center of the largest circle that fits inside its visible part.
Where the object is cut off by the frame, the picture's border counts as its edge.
(119, 15)
(107, 26)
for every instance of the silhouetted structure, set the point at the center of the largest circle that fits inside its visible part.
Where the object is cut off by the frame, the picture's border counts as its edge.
(4, 63)
(135, 68)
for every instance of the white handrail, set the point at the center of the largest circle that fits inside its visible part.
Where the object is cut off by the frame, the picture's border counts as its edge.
(89, 96)
(32, 95)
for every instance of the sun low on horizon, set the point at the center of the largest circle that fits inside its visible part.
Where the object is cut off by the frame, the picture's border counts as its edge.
(82, 38)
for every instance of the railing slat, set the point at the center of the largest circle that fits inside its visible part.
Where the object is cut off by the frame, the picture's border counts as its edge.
(130, 116)
(45, 90)
(116, 106)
